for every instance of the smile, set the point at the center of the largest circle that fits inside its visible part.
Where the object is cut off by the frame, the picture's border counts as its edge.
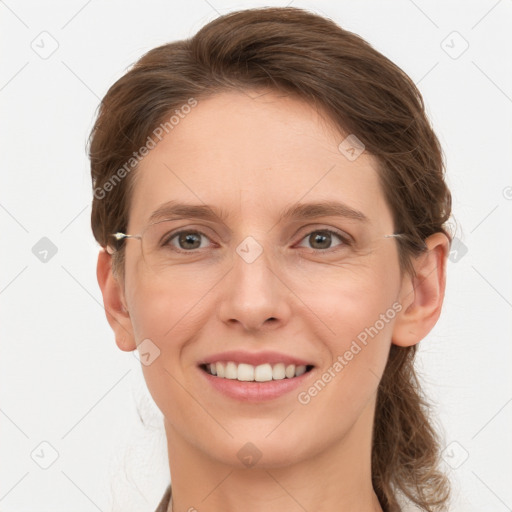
(244, 372)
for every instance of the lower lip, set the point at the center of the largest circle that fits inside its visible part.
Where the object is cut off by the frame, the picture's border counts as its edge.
(255, 391)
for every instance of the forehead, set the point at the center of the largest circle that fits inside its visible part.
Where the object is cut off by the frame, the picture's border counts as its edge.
(255, 154)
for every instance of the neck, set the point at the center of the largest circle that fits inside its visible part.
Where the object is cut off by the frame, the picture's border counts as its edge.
(336, 479)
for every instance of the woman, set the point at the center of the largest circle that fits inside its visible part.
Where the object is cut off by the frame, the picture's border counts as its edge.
(270, 200)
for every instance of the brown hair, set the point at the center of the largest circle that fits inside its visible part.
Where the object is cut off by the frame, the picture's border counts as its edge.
(297, 52)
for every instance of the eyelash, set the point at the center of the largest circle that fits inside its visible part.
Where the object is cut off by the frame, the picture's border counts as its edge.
(344, 239)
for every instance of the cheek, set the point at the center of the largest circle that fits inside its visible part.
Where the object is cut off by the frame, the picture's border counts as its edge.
(163, 313)
(348, 299)
(355, 313)
(360, 324)
(166, 307)
(168, 315)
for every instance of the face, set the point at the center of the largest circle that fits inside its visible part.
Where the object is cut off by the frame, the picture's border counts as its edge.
(255, 288)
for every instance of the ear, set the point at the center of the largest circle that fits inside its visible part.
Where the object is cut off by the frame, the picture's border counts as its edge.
(114, 302)
(422, 296)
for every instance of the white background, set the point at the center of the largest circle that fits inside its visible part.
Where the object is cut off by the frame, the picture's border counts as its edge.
(64, 381)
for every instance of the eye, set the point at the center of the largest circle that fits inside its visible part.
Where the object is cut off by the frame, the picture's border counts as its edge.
(322, 239)
(187, 240)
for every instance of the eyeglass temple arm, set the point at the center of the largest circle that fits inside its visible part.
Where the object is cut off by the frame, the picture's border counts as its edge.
(404, 236)
(117, 236)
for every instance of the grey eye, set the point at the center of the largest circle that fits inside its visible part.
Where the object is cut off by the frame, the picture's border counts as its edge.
(321, 239)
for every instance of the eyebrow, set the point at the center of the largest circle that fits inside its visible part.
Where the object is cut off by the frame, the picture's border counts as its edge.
(323, 209)
(174, 209)
(301, 211)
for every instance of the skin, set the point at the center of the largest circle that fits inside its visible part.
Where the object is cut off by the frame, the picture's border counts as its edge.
(253, 154)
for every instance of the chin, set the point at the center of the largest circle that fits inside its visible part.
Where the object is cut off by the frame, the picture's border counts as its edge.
(261, 452)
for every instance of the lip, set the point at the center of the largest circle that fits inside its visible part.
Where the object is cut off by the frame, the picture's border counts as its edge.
(254, 358)
(254, 391)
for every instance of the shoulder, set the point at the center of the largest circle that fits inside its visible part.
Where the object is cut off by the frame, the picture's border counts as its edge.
(164, 503)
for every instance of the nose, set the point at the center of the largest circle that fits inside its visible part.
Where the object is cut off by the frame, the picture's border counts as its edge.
(254, 295)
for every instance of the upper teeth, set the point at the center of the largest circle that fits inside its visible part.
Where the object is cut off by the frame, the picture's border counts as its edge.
(260, 373)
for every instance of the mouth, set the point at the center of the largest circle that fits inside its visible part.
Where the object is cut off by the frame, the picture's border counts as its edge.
(244, 372)
(255, 377)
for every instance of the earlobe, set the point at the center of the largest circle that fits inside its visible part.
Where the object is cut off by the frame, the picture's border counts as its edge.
(422, 295)
(114, 303)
